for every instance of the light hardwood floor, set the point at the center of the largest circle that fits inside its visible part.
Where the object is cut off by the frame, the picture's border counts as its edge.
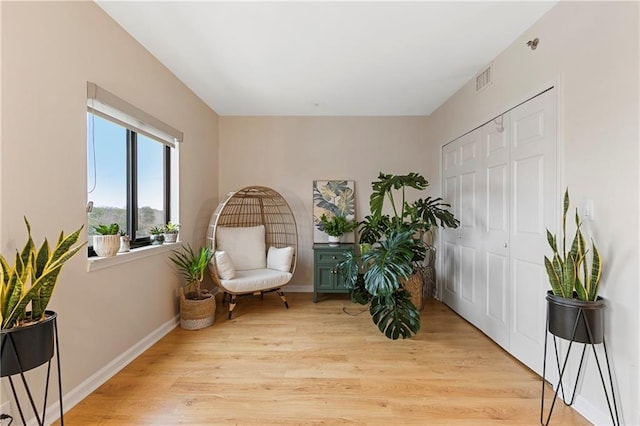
(314, 365)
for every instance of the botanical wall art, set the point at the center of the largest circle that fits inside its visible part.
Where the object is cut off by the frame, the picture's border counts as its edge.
(332, 198)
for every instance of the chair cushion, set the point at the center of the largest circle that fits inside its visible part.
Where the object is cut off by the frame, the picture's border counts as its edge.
(279, 259)
(248, 281)
(224, 266)
(244, 245)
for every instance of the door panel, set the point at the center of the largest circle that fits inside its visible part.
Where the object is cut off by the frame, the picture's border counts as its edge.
(533, 176)
(501, 182)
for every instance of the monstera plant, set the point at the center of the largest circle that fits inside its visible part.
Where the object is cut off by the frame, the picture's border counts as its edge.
(390, 246)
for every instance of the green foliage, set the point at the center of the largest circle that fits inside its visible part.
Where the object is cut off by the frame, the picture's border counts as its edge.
(112, 229)
(395, 315)
(390, 244)
(171, 228)
(156, 230)
(33, 277)
(569, 272)
(191, 266)
(415, 217)
(336, 226)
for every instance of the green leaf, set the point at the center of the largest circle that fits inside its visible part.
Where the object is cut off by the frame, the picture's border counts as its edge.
(554, 279)
(395, 315)
(596, 273)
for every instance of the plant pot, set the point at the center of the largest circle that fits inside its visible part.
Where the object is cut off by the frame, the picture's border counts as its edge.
(33, 345)
(156, 239)
(125, 245)
(334, 241)
(106, 245)
(196, 314)
(564, 312)
(171, 237)
(413, 284)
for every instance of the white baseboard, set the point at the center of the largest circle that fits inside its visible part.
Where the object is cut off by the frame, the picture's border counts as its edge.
(592, 413)
(84, 389)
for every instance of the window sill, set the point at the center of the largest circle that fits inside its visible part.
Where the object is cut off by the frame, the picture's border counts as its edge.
(97, 263)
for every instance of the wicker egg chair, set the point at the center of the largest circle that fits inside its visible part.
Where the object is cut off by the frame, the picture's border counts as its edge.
(249, 207)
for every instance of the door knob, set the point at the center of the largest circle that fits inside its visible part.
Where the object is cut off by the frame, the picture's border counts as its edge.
(505, 245)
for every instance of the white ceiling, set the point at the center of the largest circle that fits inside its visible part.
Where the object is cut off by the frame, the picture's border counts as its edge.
(325, 58)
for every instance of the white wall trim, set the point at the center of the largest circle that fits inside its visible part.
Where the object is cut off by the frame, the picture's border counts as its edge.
(593, 413)
(84, 389)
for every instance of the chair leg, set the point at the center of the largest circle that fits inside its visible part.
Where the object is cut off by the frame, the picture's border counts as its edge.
(284, 299)
(232, 304)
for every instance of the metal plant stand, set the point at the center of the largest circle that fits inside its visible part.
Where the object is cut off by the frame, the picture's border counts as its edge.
(9, 342)
(613, 411)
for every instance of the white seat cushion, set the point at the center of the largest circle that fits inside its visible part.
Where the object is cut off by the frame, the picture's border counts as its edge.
(245, 246)
(247, 281)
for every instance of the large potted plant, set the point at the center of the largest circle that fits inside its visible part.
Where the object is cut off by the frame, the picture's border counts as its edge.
(391, 247)
(576, 312)
(335, 227)
(107, 241)
(26, 336)
(197, 305)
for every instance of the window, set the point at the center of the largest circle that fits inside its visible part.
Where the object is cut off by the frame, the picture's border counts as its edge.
(129, 167)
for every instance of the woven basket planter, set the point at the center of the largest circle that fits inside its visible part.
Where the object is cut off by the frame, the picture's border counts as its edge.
(413, 284)
(197, 314)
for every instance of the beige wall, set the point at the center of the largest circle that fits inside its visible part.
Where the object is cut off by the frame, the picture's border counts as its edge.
(591, 49)
(49, 51)
(289, 153)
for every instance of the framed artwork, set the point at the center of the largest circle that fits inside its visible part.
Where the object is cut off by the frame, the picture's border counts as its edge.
(333, 198)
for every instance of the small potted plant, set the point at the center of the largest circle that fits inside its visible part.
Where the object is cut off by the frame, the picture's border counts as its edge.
(107, 241)
(157, 235)
(197, 305)
(335, 227)
(171, 231)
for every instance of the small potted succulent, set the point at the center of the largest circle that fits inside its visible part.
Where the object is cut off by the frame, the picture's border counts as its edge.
(157, 235)
(171, 231)
(335, 227)
(107, 241)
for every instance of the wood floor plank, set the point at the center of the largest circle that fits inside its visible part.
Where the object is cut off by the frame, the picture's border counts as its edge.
(320, 364)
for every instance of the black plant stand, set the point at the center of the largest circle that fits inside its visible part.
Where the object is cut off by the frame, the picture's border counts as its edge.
(582, 319)
(10, 344)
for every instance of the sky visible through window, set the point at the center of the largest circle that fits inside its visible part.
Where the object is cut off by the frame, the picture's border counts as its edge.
(107, 176)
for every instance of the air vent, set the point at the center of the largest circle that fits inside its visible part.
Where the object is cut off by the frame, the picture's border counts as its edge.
(484, 79)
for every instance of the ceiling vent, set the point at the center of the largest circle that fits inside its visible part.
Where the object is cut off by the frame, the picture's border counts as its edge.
(484, 79)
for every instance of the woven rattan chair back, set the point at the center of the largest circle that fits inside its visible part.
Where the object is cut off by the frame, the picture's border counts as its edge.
(253, 206)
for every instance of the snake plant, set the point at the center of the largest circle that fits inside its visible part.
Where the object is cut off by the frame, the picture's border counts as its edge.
(33, 277)
(569, 272)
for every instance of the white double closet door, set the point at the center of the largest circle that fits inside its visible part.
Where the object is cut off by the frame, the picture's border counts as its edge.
(500, 180)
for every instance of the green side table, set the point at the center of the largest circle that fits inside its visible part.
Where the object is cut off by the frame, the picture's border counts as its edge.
(327, 278)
